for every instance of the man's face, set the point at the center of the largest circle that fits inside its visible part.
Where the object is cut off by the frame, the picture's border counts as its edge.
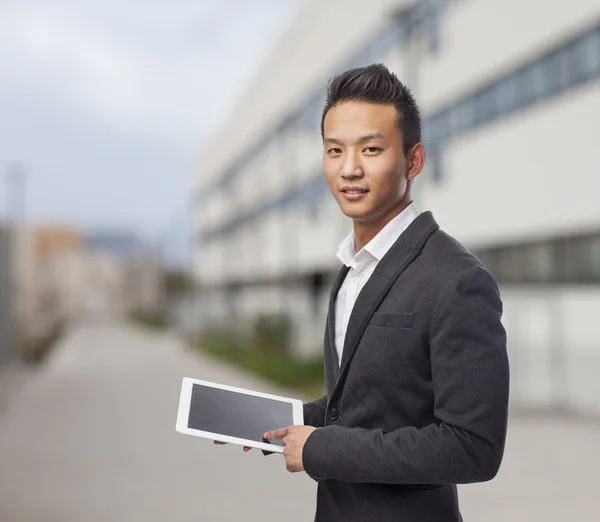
(364, 160)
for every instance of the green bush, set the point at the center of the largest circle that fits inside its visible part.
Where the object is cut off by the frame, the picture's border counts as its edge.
(271, 333)
(304, 375)
(155, 321)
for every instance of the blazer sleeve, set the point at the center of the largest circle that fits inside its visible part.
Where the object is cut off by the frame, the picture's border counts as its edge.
(314, 412)
(470, 379)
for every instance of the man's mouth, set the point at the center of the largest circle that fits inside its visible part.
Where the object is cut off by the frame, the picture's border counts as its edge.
(354, 190)
(353, 193)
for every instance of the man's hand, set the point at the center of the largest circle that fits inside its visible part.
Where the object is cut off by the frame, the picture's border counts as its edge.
(293, 438)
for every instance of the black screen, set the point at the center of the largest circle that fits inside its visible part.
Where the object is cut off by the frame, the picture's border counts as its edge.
(237, 414)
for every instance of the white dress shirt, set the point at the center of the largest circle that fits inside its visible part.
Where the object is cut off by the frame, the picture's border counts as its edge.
(362, 265)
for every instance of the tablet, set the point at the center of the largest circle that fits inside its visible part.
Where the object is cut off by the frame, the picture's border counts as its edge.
(235, 415)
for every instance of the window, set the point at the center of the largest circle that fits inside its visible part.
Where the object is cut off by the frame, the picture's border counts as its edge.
(464, 116)
(433, 30)
(488, 104)
(441, 126)
(555, 72)
(592, 259)
(508, 94)
(570, 260)
(590, 49)
(550, 74)
(539, 261)
(436, 162)
(532, 83)
(573, 260)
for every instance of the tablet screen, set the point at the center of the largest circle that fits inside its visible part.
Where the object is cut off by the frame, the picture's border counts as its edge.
(237, 414)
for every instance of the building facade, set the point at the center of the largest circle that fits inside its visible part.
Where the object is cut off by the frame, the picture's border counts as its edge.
(510, 98)
(53, 276)
(7, 341)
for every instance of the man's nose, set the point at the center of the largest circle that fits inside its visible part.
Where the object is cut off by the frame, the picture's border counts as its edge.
(351, 168)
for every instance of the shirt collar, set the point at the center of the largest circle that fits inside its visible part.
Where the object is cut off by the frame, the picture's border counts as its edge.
(345, 251)
(387, 236)
(382, 242)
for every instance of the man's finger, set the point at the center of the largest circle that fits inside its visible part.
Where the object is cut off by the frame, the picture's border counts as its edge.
(276, 434)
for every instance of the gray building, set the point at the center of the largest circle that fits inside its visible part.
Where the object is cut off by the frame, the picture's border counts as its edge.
(510, 93)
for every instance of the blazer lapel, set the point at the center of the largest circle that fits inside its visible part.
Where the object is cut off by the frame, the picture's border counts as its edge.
(406, 248)
(330, 337)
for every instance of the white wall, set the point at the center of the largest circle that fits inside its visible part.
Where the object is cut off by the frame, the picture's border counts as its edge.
(533, 174)
(480, 38)
(554, 346)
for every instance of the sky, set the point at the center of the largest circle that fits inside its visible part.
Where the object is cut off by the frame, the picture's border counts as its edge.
(105, 105)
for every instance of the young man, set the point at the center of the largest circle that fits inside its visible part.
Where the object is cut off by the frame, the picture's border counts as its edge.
(416, 366)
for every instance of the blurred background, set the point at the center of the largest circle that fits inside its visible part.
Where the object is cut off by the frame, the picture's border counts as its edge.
(163, 213)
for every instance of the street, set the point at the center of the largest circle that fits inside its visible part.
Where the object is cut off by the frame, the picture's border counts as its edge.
(90, 436)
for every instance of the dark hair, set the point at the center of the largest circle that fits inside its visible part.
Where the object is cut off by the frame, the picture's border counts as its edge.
(376, 84)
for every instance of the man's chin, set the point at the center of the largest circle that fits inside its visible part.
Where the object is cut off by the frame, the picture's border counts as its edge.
(356, 214)
(351, 213)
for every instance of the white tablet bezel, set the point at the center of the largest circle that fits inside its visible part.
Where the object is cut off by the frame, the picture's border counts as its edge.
(184, 411)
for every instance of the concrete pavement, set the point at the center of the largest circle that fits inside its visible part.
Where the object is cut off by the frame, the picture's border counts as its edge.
(90, 437)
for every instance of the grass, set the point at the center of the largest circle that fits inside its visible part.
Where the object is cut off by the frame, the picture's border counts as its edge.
(154, 321)
(303, 375)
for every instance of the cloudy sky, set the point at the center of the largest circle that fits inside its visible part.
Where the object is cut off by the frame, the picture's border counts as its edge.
(106, 104)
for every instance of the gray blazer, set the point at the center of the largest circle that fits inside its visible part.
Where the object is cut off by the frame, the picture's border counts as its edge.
(420, 402)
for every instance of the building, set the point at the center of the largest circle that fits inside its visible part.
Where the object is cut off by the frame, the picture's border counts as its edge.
(144, 285)
(120, 243)
(7, 344)
(510, 97)
(139, 286)
(35, 293)
(59, 276)
(49, 282)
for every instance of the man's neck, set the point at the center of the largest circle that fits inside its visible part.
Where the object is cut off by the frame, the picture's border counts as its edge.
(366, 231)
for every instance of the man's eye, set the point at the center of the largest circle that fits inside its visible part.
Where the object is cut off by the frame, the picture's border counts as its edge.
(372, 149)
(335, 151)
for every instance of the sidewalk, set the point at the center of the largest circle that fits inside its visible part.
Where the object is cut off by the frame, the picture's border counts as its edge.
(14, 376)
(549, 474)
(90, 438)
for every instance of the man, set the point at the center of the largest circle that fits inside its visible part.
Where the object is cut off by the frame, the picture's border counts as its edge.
(416, 367)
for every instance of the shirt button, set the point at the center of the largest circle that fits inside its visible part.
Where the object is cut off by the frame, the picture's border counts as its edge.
(333, 414)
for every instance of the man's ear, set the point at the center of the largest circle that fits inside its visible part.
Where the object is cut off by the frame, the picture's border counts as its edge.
(416, 160)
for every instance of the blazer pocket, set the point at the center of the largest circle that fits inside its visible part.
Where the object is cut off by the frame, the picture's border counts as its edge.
(405, 320)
